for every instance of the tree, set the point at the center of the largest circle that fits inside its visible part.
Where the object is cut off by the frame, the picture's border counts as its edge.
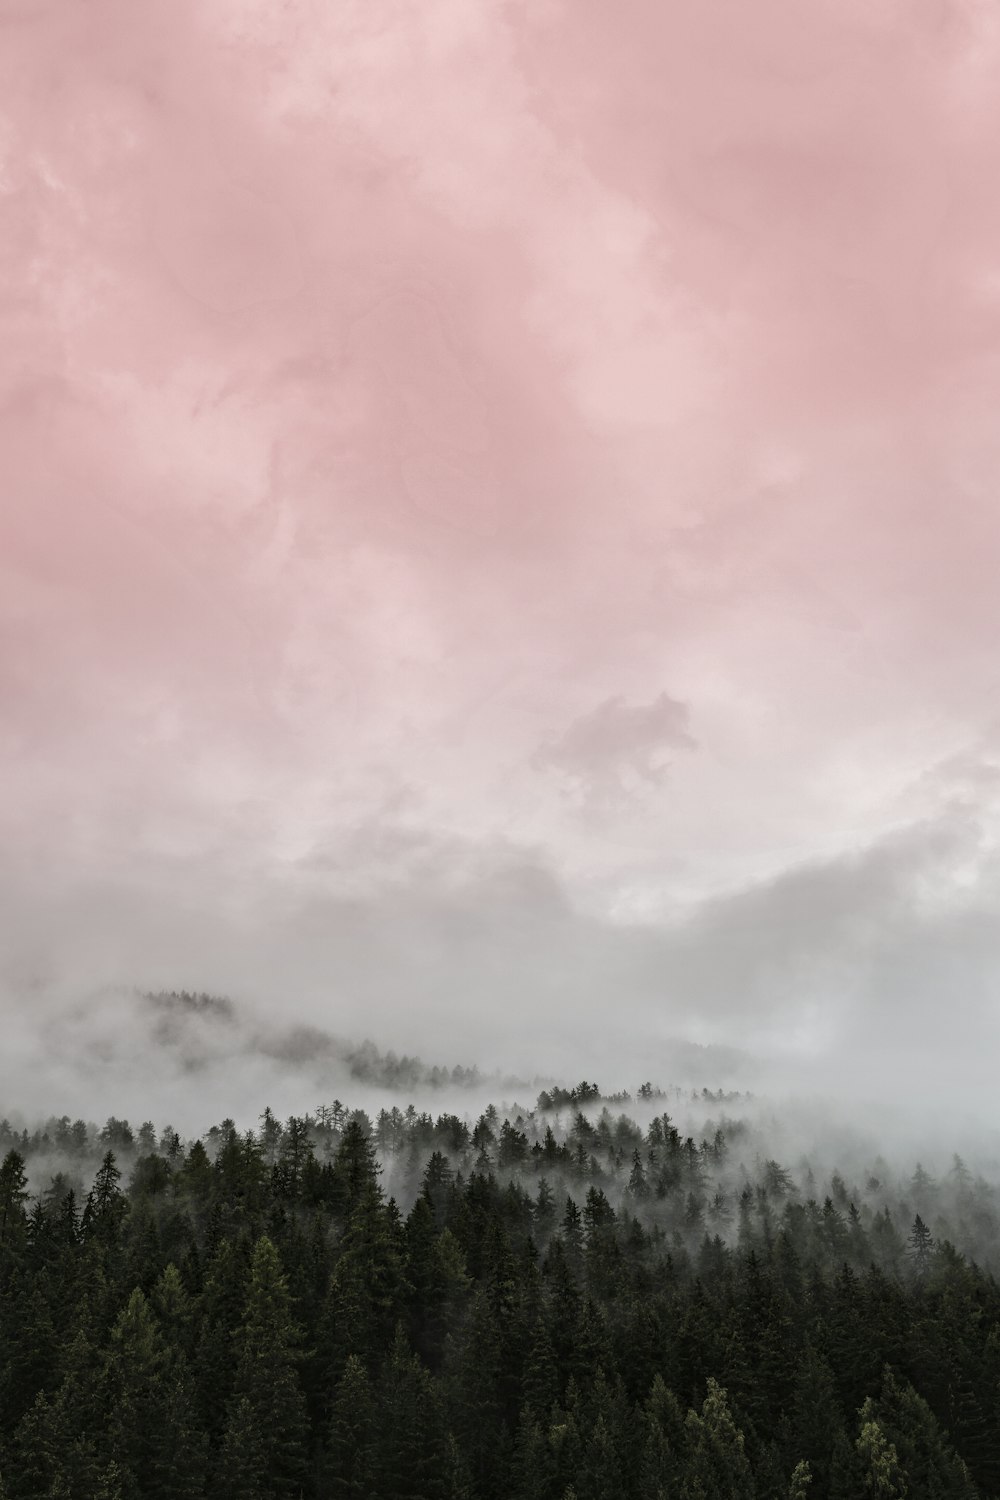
(882, 1473)
(220, 1310)
(243, 1458)
(13, 1197)
(717, 1462)
(921, 1245)
(296, 1151)
(800, 1482)
(367, 1291)
(410, 1458)
(816, 1415)
(929, 1463)
(663, 1441)
(154, 1443)
(533, 1468)
(106, 1205)
(355, 1169)
(350, 1453)
(638, 1187)
(267, 1399)
(55, 1444)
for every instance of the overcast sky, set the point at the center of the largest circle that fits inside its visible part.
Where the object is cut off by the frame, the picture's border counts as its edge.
(499, 519)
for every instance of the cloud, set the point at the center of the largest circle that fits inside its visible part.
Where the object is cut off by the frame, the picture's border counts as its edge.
(618, 745)
(392, 400)
(852, 975)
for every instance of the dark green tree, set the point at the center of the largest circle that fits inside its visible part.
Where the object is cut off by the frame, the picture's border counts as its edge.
(267, 1397)
(349, 1464)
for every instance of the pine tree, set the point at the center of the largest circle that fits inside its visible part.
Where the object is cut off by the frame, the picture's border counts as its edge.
(368, 1288)
(800, 1482)
(436, 1282)
(533, 1466)
(540, 1380)
(816, 1418)
(244, 1456)
(929, 1463)
(220, 1311)
(473, 1374)
(153, 1440)
(663, 1439)
(55, 1448)
(410, 1457)
(921, 1245)
(355, 1170)
(882, 1474)
(609, 1458)
(349, 1465)
(13, 1197)
(717, 1463)
(267, 1397)
(638, 1187)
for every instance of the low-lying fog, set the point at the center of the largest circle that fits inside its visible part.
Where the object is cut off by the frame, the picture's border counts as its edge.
(190, 1060)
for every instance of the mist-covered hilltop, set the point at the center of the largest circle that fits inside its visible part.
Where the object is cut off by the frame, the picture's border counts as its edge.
(197, 1029)
(611, 1296)
(164, 1052)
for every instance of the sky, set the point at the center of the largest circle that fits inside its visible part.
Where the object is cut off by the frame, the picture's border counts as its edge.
(499, 526)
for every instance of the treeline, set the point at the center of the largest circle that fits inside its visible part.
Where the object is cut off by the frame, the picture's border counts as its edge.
(552, 1306)
(181, 1015)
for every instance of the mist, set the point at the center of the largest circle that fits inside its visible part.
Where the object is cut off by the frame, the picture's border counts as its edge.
(848, 979)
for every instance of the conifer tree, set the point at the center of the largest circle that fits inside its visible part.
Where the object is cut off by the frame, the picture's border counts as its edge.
(13, 1197)
(663, 1439)
(355, 1170)
(152, 1437)
(243, 1457)
(920, 1244)
(221, 1308)
(800, 1482)
(473, 1374)
(717, 1462)
(368, 1288)
(930, 1464)
(55, 1447)
(267, 1397)
(882, 1474)
(349, 1466)
(411, 1453)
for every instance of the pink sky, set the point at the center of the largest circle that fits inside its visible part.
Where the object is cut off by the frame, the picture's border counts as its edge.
(510, 485)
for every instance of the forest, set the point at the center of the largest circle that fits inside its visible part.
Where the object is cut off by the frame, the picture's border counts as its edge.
(577, 1300)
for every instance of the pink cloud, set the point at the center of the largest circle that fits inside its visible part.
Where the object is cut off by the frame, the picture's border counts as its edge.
(382, 387)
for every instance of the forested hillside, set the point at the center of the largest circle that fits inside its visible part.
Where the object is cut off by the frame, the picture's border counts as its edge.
(538, 1304)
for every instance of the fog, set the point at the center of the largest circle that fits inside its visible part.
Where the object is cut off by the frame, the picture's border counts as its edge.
(189, 1060)
(867, 980)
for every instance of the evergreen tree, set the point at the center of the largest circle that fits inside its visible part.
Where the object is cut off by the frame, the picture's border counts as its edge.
(717, 1463)
(663, 1438)
(349, 1465)
(800, 1482)
(921, 1244)
(368, 1287)
(882, 1474)
(153, 1441)
(411, 1455)
(56, 1444)
(929, 1463)
(220, 1311)
(13, 1197)
(267, 1398)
